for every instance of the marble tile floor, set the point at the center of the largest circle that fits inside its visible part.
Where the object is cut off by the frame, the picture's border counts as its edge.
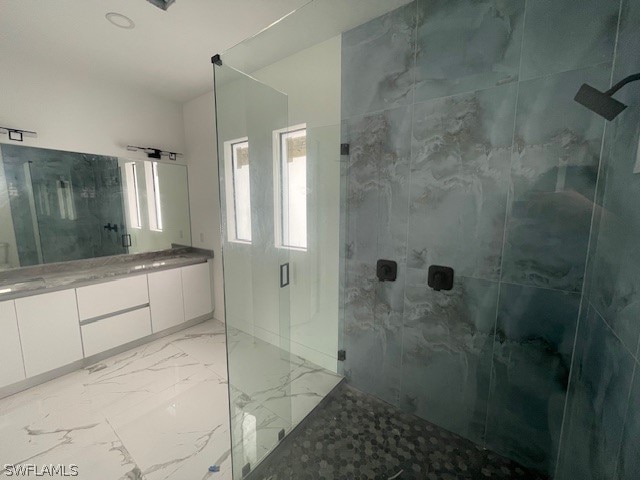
(161, 410)
(352, 435)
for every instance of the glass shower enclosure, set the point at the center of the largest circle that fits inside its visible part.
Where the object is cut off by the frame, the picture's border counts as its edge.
(437, 134)
(281, 352)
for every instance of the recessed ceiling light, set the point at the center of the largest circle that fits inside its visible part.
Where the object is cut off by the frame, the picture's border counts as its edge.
(120, 20)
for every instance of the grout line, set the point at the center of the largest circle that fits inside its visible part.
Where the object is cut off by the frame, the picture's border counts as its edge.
(135, 462)
(615, 334)
(504, 233)
(491, 280)
(561, 72)
(409, 180)
(587, 263)
(626, 418)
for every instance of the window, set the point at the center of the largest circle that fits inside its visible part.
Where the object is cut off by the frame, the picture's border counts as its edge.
(133, 196)
(65, 199)
(291, 187)
(238, 190)
(153, 196)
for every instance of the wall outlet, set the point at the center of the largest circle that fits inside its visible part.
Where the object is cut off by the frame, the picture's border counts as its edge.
(201, 237)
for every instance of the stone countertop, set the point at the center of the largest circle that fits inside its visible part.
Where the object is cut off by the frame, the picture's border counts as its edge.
(27, 281)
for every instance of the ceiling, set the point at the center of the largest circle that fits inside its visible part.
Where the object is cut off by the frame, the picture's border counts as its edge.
(168, 52)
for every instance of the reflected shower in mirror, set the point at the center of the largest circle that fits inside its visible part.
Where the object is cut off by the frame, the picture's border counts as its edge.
(57, 206)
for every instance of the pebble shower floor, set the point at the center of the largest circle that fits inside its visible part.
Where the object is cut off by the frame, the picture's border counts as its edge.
(352, 435)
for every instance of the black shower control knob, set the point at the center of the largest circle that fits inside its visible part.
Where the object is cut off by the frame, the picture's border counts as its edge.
(387, 270)
(440, 278)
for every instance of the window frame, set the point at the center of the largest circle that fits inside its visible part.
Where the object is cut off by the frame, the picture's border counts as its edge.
(278, 190)
(230, 191)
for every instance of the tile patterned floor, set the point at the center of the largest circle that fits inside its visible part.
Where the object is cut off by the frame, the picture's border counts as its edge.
(161, 411)
(352, 435)
(271, 391)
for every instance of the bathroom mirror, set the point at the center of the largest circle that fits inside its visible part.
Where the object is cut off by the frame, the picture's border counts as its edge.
(57, 206)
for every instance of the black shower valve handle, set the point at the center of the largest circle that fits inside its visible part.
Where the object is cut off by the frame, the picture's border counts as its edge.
(111, 228)
(440, 278)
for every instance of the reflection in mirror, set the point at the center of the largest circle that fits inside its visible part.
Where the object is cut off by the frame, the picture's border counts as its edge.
(156, 203)
(57, 206)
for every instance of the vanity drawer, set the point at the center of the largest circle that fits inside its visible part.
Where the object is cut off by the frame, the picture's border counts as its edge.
(112, 297)
(114, 331)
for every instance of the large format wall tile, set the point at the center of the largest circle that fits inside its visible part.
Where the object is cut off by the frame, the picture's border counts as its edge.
(554, 172)
(629, 462)
(446, 361)
(377, 204)
(597, 403)
(532, 356)
(470, 198)
(377, 184)
(627, 58)
(378, 63)
(459, 180)
(466, 45)
(615, 282)
(372, 337)
(562, 35)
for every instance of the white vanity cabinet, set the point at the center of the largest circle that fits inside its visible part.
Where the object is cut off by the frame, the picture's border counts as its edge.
(166, 299)
(196, 288)
(49, 331)
(113, 313)
(46, 331)
(11, 364)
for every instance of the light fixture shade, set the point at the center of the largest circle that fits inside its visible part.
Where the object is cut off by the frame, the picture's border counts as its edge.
(163, 4)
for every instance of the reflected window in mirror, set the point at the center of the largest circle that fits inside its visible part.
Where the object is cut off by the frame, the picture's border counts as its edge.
(57, 206)
(153, 204)
(238, 190)
(133, 195)
(290, 166)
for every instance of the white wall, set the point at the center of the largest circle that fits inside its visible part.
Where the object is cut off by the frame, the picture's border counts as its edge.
(200, 136)
(77, 113)
(74, 112)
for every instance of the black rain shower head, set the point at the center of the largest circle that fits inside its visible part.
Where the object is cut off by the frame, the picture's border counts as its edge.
(601, 102)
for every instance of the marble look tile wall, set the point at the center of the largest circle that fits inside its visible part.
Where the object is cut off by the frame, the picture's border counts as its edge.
(597, 403)
(468, 150)
(602, 423)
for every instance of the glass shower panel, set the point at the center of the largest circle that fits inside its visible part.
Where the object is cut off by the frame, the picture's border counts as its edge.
(257, 270)
(314, 294)
(78, 205)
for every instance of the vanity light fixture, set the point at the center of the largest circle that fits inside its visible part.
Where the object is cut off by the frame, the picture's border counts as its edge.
(154, 152)
(120, 20)
(16, 134)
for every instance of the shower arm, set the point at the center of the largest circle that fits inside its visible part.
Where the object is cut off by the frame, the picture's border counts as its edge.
(622, 83)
